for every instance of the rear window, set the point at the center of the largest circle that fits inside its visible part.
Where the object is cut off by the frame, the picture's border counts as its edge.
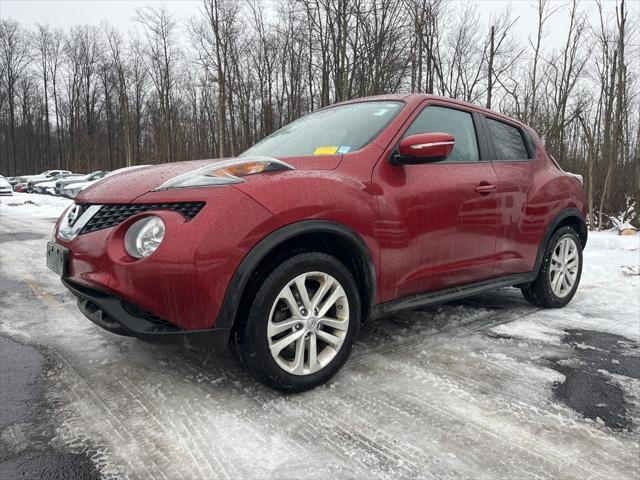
(508, 141)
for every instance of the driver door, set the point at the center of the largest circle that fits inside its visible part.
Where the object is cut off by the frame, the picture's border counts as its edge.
(438, 221)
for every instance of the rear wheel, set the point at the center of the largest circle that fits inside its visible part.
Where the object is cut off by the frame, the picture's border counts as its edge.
(560, 272)
(302, 323)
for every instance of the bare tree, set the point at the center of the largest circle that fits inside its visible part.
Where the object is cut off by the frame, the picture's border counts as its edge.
(617, 91)
(159, 60)
(501, 51)
(118, 62)
(14, 51)
(42, 44)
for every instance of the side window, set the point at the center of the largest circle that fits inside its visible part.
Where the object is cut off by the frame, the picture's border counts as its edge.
(508, 141)
(454, 122)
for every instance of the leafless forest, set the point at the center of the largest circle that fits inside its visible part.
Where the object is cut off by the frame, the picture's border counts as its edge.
(93, 97)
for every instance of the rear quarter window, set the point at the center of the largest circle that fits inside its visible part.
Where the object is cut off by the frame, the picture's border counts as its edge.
(508, 141)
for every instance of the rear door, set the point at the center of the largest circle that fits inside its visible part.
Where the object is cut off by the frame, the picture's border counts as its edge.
(438, 221)
(514, 160)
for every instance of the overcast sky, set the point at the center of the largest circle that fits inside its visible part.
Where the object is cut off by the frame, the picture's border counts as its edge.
(120, 13)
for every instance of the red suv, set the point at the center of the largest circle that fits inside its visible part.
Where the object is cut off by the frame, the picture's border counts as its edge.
(360, 209)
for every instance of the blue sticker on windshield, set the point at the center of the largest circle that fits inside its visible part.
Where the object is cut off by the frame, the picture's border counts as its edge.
(343, 149)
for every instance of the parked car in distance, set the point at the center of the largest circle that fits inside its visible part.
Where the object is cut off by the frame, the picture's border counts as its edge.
(15, 180)
(49, 186)
(48, 174)
(65, 182)
(74, 189)
(361, 209)
(34, 182)
(20, 187)
(5, 186)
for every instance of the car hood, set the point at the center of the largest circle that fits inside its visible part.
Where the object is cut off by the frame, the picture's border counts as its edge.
(127, 186)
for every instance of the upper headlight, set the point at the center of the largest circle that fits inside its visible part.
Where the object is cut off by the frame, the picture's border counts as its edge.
(144, 237)
(225, 172)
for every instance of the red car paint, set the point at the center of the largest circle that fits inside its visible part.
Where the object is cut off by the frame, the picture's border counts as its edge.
(426, 227)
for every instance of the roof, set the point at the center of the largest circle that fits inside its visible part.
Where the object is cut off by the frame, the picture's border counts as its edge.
(415, 98)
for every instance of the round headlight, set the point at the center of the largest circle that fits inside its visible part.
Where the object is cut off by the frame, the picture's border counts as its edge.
(144, 237)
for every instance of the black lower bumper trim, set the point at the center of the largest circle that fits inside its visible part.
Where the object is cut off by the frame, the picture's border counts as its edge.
(116, 316)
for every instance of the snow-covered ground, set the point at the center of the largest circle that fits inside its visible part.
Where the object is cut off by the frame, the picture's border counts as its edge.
(33, 206)
(489, 387)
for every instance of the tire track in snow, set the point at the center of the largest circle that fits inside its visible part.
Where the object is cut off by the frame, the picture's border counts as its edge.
(225, 467)
(190, 430)
(410, 402)
(372, 449)
(414, 341)
(169, 429)
(89, 399)
(329, 433)
(514, 405)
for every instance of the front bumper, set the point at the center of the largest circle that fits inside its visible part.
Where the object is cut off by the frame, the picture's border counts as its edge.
(186, 280)
(123, 318)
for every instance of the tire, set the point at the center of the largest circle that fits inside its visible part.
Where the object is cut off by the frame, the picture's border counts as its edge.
(279, 313)
(552, 288)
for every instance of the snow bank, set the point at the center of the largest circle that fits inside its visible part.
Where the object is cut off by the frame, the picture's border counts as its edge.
(33, 205)
(608, 299)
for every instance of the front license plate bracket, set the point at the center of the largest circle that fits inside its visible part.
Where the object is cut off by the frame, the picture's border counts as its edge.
(57, 257)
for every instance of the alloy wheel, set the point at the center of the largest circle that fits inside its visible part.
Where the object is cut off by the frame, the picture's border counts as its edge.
(308, 323)
(563, 270)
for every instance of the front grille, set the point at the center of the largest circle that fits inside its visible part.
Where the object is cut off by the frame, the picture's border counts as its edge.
(111, 215)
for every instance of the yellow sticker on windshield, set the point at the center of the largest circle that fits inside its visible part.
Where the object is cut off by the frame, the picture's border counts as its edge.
(325, 150)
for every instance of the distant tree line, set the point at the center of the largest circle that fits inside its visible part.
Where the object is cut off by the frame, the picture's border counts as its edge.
(92, 98)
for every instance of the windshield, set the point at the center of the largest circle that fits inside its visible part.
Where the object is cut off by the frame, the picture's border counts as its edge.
(334, 130)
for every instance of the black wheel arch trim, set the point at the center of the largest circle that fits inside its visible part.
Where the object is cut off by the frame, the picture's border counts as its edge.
(236, 288)
(553, 226)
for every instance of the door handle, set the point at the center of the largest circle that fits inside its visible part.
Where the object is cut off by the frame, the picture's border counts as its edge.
(485, 188)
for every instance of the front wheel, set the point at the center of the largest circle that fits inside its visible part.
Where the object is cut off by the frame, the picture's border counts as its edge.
(302, 323)
(560, 272)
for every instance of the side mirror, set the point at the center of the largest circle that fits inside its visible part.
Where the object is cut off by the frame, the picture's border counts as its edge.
(424, 148)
